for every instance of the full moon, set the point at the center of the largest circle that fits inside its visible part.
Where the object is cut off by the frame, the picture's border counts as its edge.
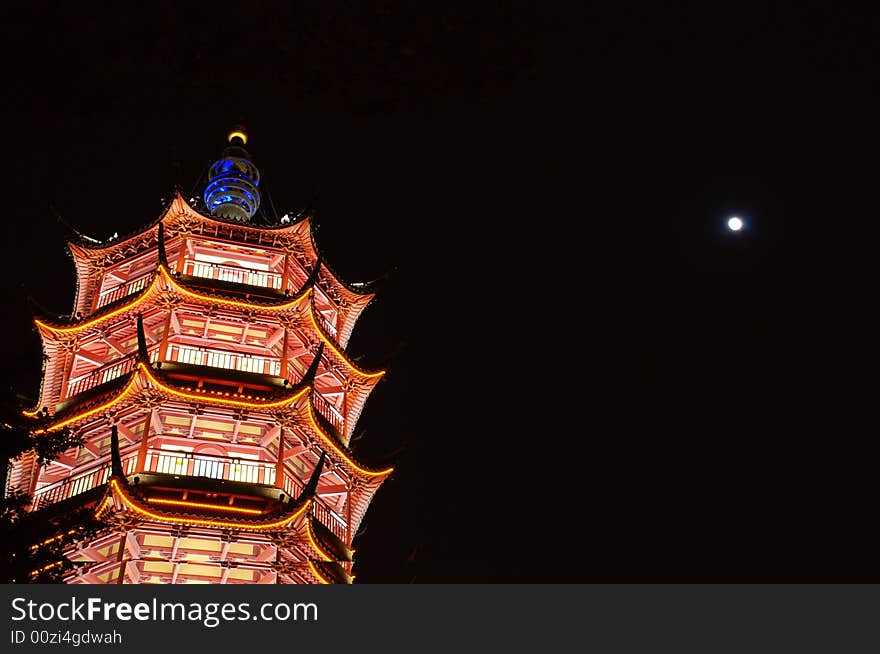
(734, 223)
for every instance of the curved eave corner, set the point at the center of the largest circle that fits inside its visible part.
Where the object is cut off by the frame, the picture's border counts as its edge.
(327, 547)
(330, 573)
(114, 308)
(340, 353)
(328, 435)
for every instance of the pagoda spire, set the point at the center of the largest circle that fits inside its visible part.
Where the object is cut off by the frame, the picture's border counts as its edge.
(233, 181)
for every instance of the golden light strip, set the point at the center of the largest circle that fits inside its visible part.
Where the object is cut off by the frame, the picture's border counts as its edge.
(197, 521)
(239, 134)
(218, 300)
(219, 400)
(369, 473)
(314, 542)
(54, 538)
(163, 272)
(103, 507)
(339, 353)
(203, 505)
(268, 405)
(320, 577)
(89, 323)
(175, 392)
(45, 567)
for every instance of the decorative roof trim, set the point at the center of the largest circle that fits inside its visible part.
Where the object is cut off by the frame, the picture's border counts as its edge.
(179, 286)
(118, 491)
(95, 245)
(142, 371)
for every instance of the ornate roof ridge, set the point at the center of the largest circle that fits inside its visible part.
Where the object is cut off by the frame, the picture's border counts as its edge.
(94, 245)
(109, 396)
(363, 288)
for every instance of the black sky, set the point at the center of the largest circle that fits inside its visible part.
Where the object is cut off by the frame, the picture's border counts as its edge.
(590, 379)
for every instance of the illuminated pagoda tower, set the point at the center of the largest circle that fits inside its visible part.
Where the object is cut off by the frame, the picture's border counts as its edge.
(205, 368)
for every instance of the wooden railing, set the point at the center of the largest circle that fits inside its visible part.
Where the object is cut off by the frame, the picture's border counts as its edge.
(233, 274)
(203, 356)
(123, 290)
(200, 356)
(81, 482)
(209, 465)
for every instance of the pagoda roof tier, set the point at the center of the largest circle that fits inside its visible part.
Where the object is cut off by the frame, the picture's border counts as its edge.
(154, 386)
(146, 388)
(163, 283)
(123, 500)
(166, 291)
(296, 238)
(180, 217)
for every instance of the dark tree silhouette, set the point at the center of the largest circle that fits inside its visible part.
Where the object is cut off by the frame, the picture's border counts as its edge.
(32, 542)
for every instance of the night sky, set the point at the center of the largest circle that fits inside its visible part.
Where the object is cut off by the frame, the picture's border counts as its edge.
(590, 379)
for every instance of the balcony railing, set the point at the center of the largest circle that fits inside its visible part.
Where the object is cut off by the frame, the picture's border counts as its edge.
(123, 290)
(201, 356)
(105, 373)
(330, 412)
(232, 274)
(208, 465)
(81, 482)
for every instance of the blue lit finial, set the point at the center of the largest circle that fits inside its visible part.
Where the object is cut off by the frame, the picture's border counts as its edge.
(233, 180)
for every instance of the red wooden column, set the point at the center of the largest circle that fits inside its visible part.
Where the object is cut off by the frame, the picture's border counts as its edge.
(285, 275)
(182, 255)
(142, 451)
(285, 371)
(163, 348)
(279, 464)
